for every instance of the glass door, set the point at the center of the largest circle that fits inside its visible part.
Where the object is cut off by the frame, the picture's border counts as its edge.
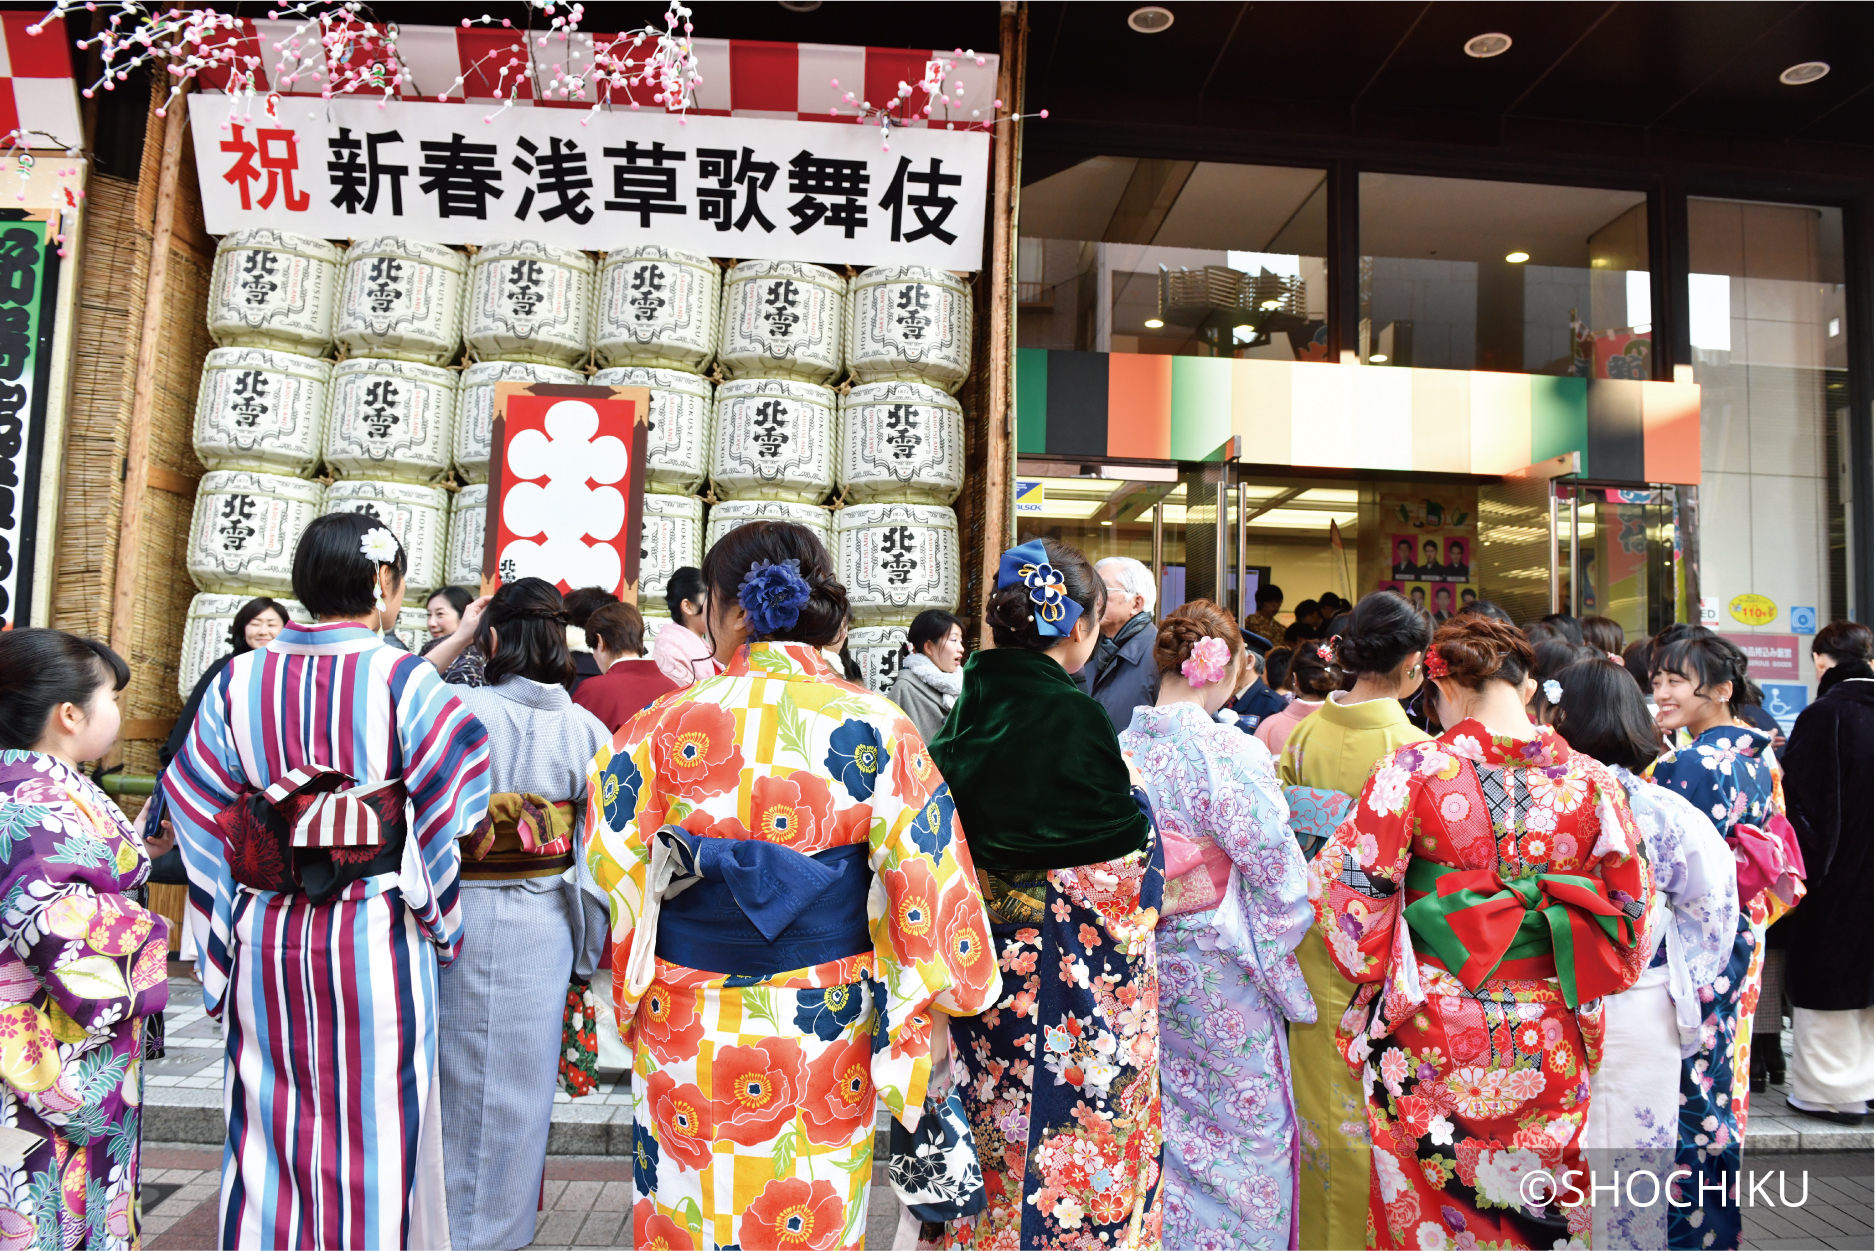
(1617, 548)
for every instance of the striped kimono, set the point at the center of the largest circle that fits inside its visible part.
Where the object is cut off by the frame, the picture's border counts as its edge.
(330, 1009)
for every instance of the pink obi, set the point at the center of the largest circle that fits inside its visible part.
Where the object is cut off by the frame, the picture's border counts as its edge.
(1196, 873)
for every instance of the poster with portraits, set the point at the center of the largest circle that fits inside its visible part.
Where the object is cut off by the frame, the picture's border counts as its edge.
(1429, 547)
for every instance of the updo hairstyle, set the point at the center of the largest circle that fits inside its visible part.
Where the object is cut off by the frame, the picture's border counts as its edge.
(1477, 649)
(1185, 625)
(685, 583)
(332, 576)
(531, 642)
(1707, 660)
(1383, 630)
(729, 562)
(41, 669)
(1012, 616)
(1553, 655)
(933, 625)
(1312, 677)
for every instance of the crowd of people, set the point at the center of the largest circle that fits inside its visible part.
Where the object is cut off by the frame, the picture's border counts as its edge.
(1146, 927)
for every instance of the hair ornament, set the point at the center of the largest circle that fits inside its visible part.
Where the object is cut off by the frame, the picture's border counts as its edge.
(1053, 611)
(1553, 690)
(772, 593)
(1436, 664)
(1207, 662)
(1325, 650)
(378, 545)
(1616, 659)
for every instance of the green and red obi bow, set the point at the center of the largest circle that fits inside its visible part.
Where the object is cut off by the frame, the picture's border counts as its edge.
(1474, 921)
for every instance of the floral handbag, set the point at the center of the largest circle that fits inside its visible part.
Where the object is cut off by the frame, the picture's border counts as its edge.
(579, 1041)
(934, 1168)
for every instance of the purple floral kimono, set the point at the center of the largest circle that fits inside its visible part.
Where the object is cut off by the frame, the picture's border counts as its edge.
(81, 966)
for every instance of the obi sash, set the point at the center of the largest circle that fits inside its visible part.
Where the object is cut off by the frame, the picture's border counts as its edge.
(523, 836)
(749, 908)
(1197, 873)
(1562, 925)
(314, 832)
(1315, 812)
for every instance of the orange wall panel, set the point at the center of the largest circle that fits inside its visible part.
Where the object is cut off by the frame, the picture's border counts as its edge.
(1139, 406)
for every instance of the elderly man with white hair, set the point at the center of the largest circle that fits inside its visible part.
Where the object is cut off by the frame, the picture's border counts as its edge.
(1123, 676)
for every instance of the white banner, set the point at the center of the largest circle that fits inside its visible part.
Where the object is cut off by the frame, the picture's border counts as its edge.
(749, 188)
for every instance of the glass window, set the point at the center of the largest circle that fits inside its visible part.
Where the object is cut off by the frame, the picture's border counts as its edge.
(1770, 333)
(1463, 274)
(1176, 258)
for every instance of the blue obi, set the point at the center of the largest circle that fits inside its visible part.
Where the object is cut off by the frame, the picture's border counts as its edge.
(747, 908)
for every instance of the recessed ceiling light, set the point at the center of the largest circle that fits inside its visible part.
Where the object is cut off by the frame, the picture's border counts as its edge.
(1804, 72)
(1154, 323)
(1150, 19)
(1107, 523)
(1493, 44)
(1379, 358)
(800, 6)
(1268, 305)
(1517, 258)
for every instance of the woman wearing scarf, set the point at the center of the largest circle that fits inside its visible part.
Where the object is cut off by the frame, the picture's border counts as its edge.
(1489, 890)
(931, 676)
(1236, 906)
(533, 921)
(792, 903)
(1061, 1077)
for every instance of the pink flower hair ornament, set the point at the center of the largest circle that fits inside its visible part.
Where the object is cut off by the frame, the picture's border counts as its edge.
(1207, 662)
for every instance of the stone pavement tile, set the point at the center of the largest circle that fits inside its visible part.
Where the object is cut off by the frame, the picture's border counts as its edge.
(550, 1193)
(602, 1229)
(614, 1196)
(558, 1228)
(578, 1196)
(197, 1229)
(590, 1168)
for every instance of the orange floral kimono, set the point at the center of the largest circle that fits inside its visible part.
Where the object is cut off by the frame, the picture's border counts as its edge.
(1484, 896)
(757, 1085)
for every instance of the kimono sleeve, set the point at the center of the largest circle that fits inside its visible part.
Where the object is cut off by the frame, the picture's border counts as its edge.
(1619, 858)
(1700, 880)
(202, 779)
(1355, 881)
(624, 808)
(1273, 880)
(931, 934)
(446, 772)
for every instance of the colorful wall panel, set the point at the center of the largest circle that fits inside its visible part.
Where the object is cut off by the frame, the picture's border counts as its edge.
(1146, 407)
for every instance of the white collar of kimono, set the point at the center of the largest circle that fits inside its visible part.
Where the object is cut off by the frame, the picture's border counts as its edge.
(333, 638)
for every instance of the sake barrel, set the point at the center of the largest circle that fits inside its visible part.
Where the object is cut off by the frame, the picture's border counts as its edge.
(261, 409)
(529, 302)
(417, 515)
(677, 447)
(652, 626)
(876, 650)
(475, 408)
(901, 441)
(403, 300)
(774, 440)
(727, 516)
(782, 319)
(390, 419)
(907, 323)
(672, 537)
(897, 560)
(468, 520)
(271, 289)
(658, 309)
(205, 633)
(413, 627)
(245, 527)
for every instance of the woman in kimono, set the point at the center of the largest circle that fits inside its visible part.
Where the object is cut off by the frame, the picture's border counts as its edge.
(1488, 891)
(319, 799)
(1655, 1026)
(1325, 763)
(81, 966)
(1727, 773)
(1061, 1078)
(1236, 905)
(792, 907)
(533, 921)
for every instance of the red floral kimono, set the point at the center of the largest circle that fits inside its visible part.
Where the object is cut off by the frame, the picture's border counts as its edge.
(1485, 894)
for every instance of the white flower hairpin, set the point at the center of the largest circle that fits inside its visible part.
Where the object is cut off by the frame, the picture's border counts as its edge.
(379, 546)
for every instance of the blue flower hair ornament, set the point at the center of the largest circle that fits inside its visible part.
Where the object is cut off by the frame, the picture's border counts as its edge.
(1029, 565)
(772, 593)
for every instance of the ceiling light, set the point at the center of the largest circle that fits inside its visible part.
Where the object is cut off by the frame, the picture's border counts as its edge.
(800, 6)
(1379, 358)
(1107, 523)
(1517, 258)
(1150, 19)
(1482, 46)
(1804, 72)
(1267, 305)
(1153, 323)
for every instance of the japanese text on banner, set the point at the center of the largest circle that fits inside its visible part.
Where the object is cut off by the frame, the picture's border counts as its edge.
(722, 186)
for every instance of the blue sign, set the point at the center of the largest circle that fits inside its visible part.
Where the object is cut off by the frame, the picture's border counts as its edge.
(1804, 621)
(1029, 495)
(1784, 700)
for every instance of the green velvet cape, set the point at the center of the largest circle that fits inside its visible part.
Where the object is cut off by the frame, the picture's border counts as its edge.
(1035, 768)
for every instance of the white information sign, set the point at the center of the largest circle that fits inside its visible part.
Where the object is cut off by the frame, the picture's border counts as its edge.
(751, 188)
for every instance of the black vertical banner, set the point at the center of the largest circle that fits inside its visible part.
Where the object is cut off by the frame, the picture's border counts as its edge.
(29, 279)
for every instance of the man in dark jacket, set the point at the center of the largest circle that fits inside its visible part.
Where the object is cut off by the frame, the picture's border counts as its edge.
(1122, 674)
(1829, 970)
(1258, 701)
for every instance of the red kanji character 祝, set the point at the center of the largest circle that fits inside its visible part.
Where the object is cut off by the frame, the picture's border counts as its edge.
(278, 156)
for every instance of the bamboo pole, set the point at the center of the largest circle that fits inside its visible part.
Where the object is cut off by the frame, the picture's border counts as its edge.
(143, 396)
(999, 408)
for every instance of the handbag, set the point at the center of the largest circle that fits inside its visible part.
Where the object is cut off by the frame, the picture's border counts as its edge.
(934, 1168)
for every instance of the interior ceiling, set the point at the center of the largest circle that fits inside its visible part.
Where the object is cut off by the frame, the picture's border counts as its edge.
(1463, 220)
(1181, 204)
(1399, 69)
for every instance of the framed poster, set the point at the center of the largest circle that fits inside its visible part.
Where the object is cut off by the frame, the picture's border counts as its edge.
(567, 486)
